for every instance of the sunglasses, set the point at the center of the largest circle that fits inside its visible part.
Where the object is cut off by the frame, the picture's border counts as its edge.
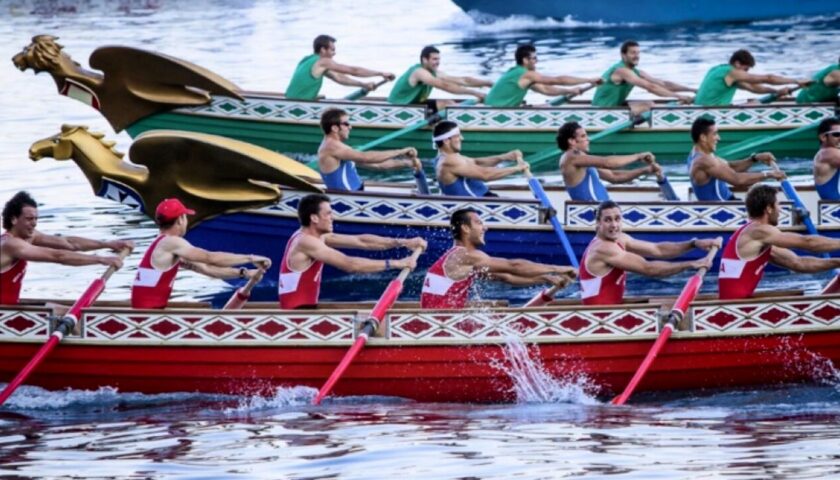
(835, 134)
(346, 124)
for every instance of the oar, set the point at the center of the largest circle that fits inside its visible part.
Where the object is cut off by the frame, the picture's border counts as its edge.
(539, 194)
(791, 195)
(389, 296)
(542, 298)
(422, 182)
(64, 326)
(833, 286)
(241, 295)
(772, 97)
(751, 143)
(540, 157)
(410, 128)
(689, 292)
(362, 92)
(665, 186)
(565, 98)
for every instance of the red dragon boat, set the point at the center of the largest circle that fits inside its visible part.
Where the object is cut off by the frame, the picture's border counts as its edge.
(430, 356)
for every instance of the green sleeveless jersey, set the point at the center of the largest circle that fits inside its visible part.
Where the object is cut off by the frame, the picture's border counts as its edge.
(713, 91)
(303, 85)
(506, 92)
(819, 91)
(608, 94)
(404, 94)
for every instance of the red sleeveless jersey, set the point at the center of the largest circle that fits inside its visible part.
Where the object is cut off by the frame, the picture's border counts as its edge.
(298, 289)
(152, 287)
(738, 278)
(604, 290)
(440, 291)
(11, 280)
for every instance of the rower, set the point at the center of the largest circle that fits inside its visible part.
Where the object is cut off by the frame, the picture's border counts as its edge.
(760, 242)
(310, 72)
(415, 85)
(459, 175)
(721, 81)
(619, 80)
(314, 245)
(448, 281)
(825, 86)
(22, 243)
(168, 252)
(337, 160)
(827, 160)
(612, 253)
(582, 172)
(711, 175)
(510, 89)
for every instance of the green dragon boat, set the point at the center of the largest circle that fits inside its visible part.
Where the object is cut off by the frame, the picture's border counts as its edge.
(139, 91)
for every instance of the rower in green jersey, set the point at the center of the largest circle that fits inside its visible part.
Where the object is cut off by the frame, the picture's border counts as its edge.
(619, 80)
(510, 89)
(310, 72)
(721, 81)
(825, 88)
(415, 85)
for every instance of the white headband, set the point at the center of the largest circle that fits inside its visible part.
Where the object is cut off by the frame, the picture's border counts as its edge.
(443, 136)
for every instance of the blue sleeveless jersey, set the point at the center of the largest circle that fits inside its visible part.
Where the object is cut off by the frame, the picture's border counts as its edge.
(590, 189)
(463, 187)
(830, 190)
(345, 177)
(715, 190)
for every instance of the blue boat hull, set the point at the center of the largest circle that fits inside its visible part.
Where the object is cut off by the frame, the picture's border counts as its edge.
(651, 11)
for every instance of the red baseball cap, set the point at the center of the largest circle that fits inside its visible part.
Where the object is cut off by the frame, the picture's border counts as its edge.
(170, 209)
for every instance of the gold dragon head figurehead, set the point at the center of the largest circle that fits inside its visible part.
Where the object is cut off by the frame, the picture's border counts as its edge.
(42, 55)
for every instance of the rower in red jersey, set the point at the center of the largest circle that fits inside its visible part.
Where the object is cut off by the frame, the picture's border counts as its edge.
(448, 281)
(315, 244)
(612, 253)
(169, 251)
(22, 243)
(760, 242)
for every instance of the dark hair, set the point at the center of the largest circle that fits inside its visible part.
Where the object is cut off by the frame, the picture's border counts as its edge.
(700, 127)
(310, 205)
(322, 41)
(626, 46)
(331, 117)
(759, 197)
(427, 51)
(605, 205)
(458, 218)
(164, 224)
(742, 56)
(441, 128)
(14, 207)
(827, 124)
(522, 52)
(565, 133)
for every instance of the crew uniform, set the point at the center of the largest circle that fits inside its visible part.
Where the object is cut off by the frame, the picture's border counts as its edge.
(298, 289)
(152, 287)
(606, 289)
(11, 281)
(738, 278)
(440, 291)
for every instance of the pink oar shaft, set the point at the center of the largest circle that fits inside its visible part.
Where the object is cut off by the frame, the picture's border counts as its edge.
(237, 300)
(342, 366)
(646, 363)
(540, 299)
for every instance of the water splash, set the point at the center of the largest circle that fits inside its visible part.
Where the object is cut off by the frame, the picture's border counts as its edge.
(283, 397)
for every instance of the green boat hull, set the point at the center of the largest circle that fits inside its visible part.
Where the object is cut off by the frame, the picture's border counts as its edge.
(292, 127)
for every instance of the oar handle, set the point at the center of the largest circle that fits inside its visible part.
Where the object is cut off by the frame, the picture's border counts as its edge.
(360, 93)
(689, 292)
(113, 268)
(242, 294)
(772, 97)
(565, 98)
(405, 271)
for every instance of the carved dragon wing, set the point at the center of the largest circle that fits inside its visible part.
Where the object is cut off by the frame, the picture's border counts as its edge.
(159, 78)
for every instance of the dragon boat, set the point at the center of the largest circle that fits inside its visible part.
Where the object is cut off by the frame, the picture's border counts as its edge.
(138, 91)
(246, 198)
(426, 355)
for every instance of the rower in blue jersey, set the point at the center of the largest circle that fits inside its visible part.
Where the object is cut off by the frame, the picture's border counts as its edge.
(582, 172)
(462, 176)
(711, 175)
(827, 160)
(337, 160)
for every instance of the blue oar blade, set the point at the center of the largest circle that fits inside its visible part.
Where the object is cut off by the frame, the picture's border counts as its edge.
(538, 191)
(422, 182)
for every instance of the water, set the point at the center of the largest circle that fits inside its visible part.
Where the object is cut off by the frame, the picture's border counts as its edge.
(560, 427)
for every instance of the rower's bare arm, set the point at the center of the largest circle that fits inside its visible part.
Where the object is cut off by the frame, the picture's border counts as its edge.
(492, 161)
(342, 79)
(333, 66)
(744, 78)
(759, 88)
(553, 91)
(787, 259)
(651, 87)
(369, 241)
(23, 250)
(211, 270)
(832, 79)
(465, 81)
(831, 156)
(631, 262)
(183, 249)
(445, 85)
(369, 158)
(514, 266)
(672, 86)
(723, 171)
(559, 79)
(608, 162)
(486, 174)
(770, 235)
(623, 176)
(78, 244)
(325, 253)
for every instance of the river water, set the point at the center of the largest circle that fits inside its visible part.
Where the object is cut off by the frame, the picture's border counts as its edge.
(781, 432)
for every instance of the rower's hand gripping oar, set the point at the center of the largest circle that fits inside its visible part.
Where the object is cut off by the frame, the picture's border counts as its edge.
(689, 292)
(241, 295)
(539, 194)
(65, 325)
(772, 97)
(664, 184)
(565, 98)
(385, 302)
(362, 92)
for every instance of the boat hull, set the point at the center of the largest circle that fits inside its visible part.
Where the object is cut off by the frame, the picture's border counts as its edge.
(430, 356)
(292, 126)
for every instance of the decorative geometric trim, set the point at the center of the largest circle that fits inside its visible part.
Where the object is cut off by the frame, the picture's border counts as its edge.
(678, 215)
(778, 317)
(742, 117)
(829, 214)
